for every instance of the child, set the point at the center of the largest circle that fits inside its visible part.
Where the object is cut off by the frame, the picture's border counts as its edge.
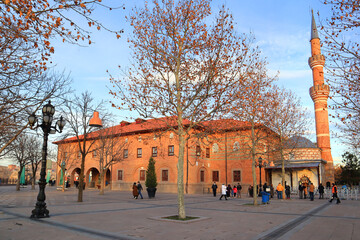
(235, 191)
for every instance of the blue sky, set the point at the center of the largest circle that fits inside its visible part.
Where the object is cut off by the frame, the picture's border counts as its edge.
(281, 27)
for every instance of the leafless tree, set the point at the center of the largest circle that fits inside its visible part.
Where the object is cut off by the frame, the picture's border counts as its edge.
(250, 107)
(110, 151)
(34, 151)
(342, 52)
(20, 154)
(19, 98)
(184, 68)
(288, 119)
(78, 112)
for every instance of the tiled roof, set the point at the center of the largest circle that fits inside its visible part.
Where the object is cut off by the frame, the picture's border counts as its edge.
(299, 142)
(141, 126)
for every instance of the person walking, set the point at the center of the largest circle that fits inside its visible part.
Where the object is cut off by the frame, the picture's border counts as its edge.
(228, 191)
(301, 189)
(239, 187)
(140, 188)
(214, 188)
(334, 194)
(279, 190)
(223, 192)
(135, 191)
(235, 191)
(311, 191)
(321, 191)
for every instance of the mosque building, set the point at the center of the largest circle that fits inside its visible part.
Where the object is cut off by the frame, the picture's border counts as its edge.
(221, 156)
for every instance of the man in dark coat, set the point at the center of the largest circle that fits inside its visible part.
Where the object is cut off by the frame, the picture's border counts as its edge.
(300, 191)
(214, 188)
(321, 191)
(239, 187)
(140, 188)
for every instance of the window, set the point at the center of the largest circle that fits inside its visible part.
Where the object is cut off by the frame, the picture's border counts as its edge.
(120, 175)
(154, 151)
(65, 155)
(171, 150)
(236, 146)
(142, 175)
(291, 156)
(215, 148)
(207, 152)
(139, 152)
(94, 153)
(165, 175)
(198, 150)
(79, 154)
(202, 176)
(237, 176)
(126, 153)
(215, 176)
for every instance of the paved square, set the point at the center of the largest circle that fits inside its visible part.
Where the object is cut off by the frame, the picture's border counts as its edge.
(116, 215)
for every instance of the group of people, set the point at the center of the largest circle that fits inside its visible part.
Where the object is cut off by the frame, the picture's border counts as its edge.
(227, 191)
(304, 191)
(264, 188)
(137, 188)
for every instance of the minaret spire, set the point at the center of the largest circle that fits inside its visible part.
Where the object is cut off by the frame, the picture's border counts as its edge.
(319, 93)
(314, 32)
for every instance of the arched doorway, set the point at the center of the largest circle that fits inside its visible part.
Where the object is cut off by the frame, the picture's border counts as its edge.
(75, 176)
(92, 177)
(304, 180)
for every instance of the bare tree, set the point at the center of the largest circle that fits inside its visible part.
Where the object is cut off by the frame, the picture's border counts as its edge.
(28, 29)
(342, 51)
(79, 111)
(66, 160)
(20, 97)
(19, 154)
(250, 107)
(288, 119)
(110, 151)
(184, 68)
(34, 147)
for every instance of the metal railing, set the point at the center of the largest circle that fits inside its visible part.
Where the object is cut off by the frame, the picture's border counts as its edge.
(343, 193)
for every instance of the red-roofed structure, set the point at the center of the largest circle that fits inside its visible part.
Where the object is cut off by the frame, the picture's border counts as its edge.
(215, 152)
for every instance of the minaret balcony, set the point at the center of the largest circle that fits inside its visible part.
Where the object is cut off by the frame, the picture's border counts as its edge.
(316, 60)
(320, 92)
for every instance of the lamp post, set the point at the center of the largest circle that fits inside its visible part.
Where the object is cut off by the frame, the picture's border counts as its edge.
(48, 111)
(260, 164)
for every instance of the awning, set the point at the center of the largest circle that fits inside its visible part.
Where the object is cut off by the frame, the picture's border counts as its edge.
(296, 165)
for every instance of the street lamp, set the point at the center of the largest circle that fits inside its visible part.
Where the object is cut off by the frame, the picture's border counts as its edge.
(48, 111)
(260, 164)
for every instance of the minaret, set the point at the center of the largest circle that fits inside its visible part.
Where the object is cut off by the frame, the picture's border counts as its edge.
(319, 94)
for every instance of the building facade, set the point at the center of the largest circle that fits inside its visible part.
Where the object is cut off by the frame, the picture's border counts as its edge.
(221, 155)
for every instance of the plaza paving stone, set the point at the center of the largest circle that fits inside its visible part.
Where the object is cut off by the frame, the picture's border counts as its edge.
(116, 215)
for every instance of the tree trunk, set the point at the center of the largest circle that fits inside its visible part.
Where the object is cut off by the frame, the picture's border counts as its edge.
(102, 182)
(18, 182)
(81, 178)
(180, 180)
(33, 183)
(253, 167)
(282, 166)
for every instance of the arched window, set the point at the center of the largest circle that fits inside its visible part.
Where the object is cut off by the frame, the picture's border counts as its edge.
(215, 147)
(236, 146)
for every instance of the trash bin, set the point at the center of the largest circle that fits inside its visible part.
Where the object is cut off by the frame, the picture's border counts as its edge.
(265, 197)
